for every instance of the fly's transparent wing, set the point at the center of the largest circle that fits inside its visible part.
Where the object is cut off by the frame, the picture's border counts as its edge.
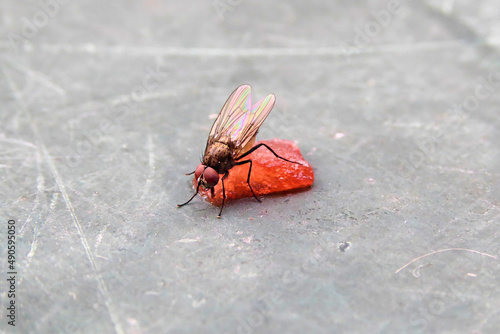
(245, 128)
(238, 102)
(239, 120)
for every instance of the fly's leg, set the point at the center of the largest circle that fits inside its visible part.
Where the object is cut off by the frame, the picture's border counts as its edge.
(270, 149)
(223, 194)
(196, 193)
(248, 178)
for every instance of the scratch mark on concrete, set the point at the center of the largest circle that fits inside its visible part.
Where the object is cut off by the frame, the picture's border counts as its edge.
(17, 141)
(453, 169)
(151, 147)
(102, 286)
(99, 238)
(34, 244)
(187, 241)
(39, 190)
(242, 52)
(37, 279)
(151, 162)
(447, 250)
(38, 76)
(53, 201)
(100, 282)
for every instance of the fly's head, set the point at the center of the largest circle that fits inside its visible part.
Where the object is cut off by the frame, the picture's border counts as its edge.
(207, 176)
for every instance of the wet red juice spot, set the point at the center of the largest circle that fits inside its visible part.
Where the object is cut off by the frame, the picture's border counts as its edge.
(269, 174)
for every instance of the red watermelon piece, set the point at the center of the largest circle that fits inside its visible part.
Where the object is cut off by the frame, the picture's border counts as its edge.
(269, 174)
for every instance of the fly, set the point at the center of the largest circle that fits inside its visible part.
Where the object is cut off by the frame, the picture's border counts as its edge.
(231, 140)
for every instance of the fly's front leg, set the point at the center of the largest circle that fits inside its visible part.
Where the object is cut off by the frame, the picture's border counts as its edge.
(196, 193)
(223, 194)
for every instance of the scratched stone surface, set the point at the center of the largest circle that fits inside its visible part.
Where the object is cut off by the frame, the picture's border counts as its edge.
(105, 105)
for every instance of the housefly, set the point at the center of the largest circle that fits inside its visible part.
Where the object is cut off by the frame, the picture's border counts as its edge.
(231, 140)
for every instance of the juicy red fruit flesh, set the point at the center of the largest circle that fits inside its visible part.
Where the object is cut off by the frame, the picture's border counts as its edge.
(269, 174)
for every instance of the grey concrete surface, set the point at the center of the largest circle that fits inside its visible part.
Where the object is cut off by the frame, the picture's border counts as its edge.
(106, 104)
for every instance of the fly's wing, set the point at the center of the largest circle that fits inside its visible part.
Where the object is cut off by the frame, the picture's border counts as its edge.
(239, 120)
(244, 129)
(236, 105)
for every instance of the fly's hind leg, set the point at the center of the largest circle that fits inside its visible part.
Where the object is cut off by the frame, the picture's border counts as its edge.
(270, 149)
(248, 178)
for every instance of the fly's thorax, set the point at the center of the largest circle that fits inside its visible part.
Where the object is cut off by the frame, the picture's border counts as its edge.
(219, 156)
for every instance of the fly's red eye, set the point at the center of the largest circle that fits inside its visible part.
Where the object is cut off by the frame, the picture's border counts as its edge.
(199, 170)
(211, 177)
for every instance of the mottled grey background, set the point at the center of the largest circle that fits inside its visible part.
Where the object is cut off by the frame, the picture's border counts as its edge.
(105, 104)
